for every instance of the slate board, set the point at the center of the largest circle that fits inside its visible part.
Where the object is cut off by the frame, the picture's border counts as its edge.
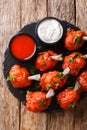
(9, 61)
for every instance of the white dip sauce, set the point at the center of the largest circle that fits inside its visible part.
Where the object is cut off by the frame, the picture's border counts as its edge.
(50, 30)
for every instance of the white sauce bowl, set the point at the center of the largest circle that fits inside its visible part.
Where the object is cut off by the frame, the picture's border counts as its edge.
(49, 30)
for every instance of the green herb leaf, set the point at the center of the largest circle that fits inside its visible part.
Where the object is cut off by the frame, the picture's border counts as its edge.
(43, 62)
(71, 60)
(78, 40)
(41, 103)
(10, 78)
(75, 54)
(33, 69)
(56, 84)
(60, 75)
(70, 87)
(48, 85)
(39, 47)
(72, 105)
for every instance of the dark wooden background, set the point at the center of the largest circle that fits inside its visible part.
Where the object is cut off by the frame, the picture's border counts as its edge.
(14, 14)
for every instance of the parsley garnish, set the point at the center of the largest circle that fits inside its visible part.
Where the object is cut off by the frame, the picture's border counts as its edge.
(78, 40)
(32, 70)
(56, 84)
(60, 75)
(41, 103)
(70, 87)
(72, 105)
(43, 62)
(39, 47)
(71, 60)
(10, 78)
(48, 85)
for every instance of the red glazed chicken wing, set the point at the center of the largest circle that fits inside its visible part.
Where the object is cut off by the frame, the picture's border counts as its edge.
(36, 101)
(45, 62)
(73, 39)
(68, 98)
(19, 77)
(75, 61)
(83, 80)
(52, 79)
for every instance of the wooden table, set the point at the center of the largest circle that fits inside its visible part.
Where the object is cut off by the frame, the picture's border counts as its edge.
(14, 14)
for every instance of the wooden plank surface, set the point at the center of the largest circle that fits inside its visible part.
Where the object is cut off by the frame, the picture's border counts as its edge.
(81, 14)
(13, 15)
(62, 9)
(9, 23)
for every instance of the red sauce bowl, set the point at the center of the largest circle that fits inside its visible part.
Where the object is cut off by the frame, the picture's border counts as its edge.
(22, 47)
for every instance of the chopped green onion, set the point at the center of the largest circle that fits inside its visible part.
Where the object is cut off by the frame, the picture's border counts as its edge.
(41, 103)
(78, 40)
(33, 69)
(60, 75)
(70, 87)
(43, 62)
(48, 85)
(56, 84)
(39, 47)
(72, 105)
(10, 78)
(71, 60)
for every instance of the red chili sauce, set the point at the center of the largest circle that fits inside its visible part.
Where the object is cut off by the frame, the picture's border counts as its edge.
(22, 46)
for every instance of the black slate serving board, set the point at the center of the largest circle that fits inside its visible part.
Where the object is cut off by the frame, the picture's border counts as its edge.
(9, 61)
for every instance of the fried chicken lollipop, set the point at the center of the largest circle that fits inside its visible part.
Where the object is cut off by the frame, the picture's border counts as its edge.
(47, 60)
(20, 77)
(75, 61)
(69, 97)
(54, 79)
(74, 39)
(82, 79)
(38, 101)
